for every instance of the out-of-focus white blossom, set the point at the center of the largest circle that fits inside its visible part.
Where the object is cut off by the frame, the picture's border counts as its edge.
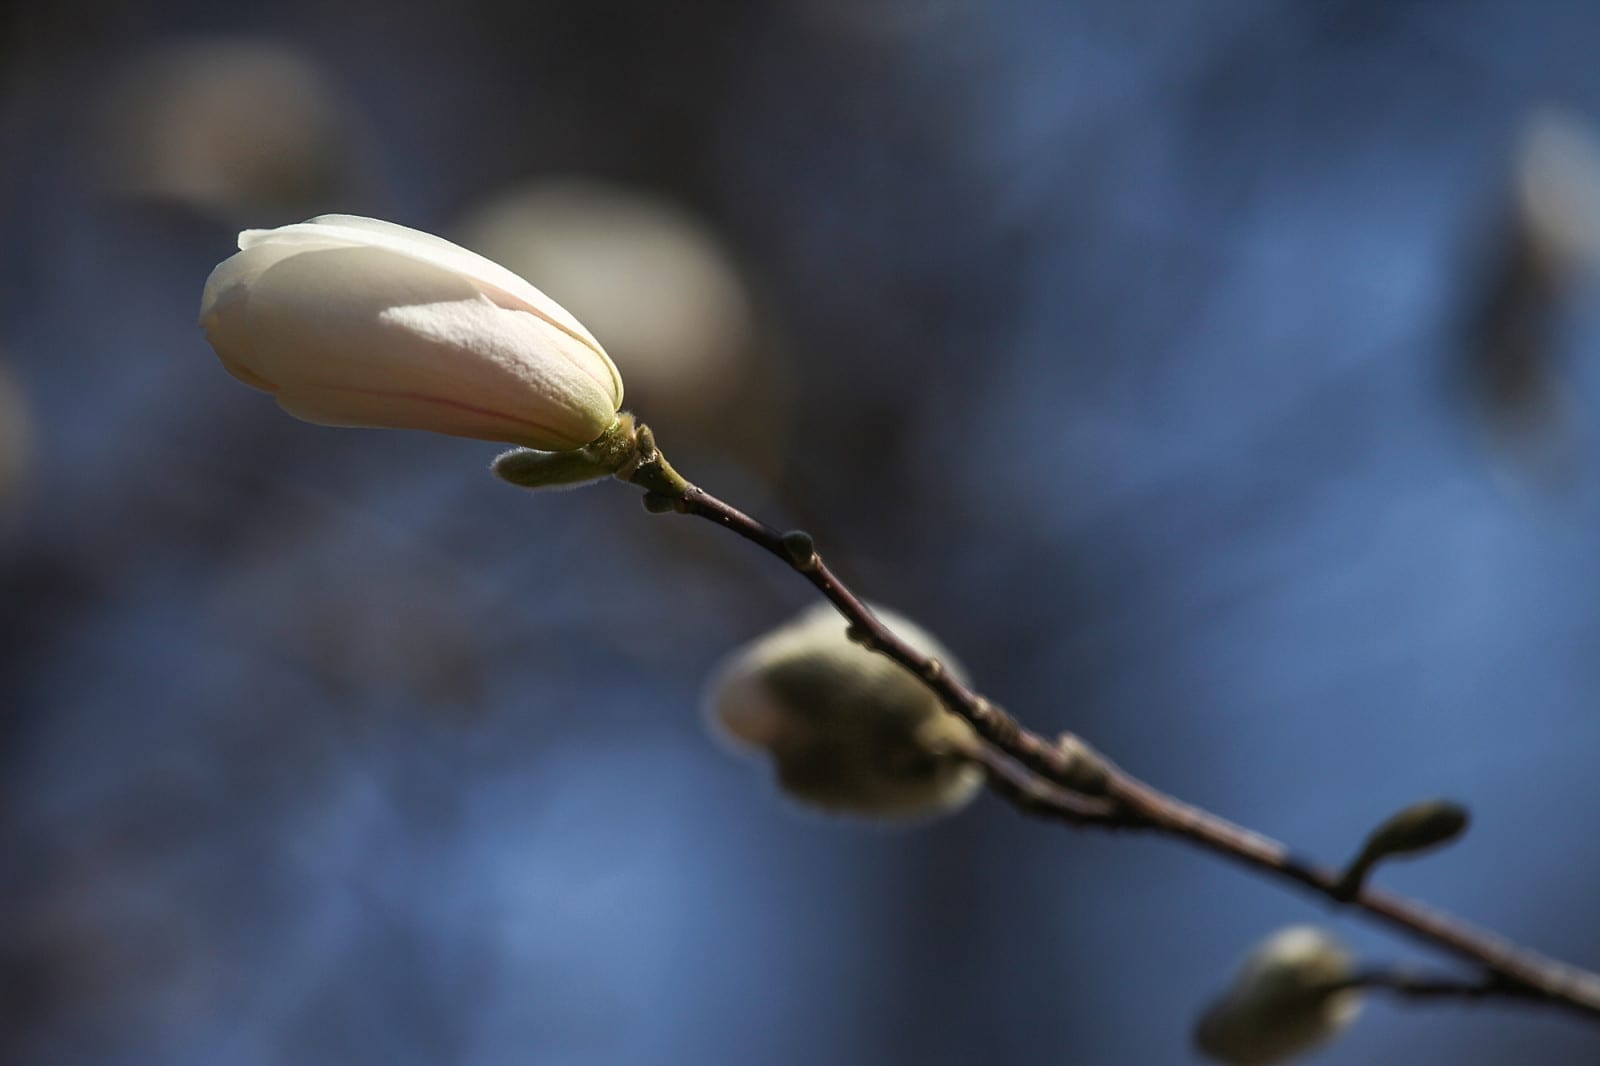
(1557, 190)
(847, 729)
(233, 127)
(645, 274)
(355, 322)
(1286, 999)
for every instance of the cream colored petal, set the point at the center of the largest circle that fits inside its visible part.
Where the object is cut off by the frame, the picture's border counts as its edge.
(345, 406)
(500, 284)
(494, 277)
(223, 305)
(358, 335)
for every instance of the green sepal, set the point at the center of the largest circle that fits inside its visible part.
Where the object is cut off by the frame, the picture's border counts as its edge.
(600, 458)
(533, 469)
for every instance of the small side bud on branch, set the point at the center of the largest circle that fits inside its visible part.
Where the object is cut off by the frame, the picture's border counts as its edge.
(800, 548)
(1086, 769)
(1418, 828)
(861, 636)
(1291, 994)
(847, 730)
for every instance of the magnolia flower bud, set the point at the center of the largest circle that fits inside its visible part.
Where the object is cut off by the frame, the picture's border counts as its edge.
(848, 730)
(350, 321)
(1288, 997)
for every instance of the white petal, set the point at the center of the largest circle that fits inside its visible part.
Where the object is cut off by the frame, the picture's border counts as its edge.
(223, 308)
(357, 335)
(507, 288)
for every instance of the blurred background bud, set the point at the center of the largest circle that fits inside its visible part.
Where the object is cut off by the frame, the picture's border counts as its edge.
(848, 729)
(16, 435)
(242, 130)
(1557, 190)
(1285, 1000)
(652, 282)
(1547, 245)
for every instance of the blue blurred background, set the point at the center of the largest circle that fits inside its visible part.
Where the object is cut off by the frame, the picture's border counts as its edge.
(1211, 376)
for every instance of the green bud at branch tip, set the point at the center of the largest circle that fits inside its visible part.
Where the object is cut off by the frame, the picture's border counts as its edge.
(1418, 828)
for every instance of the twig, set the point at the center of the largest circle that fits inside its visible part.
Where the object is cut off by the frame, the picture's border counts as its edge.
(1410, 984)
(1065, 780)
(1034, 795)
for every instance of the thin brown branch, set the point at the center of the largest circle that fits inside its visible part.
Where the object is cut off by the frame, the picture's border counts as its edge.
(1065, 780)
(1034, 795)
(1409, 984)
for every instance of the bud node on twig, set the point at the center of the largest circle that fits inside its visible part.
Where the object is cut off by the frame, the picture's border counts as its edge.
(801, 549)
(1085, 770)
(646, 467)
(861, 635)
